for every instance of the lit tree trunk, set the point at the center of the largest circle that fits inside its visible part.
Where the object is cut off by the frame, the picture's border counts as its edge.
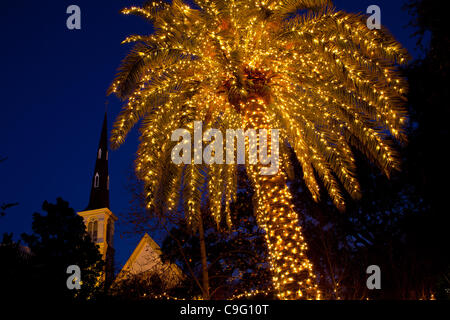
(205, 278)
(293, 276)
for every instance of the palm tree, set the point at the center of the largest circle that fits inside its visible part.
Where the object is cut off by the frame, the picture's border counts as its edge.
(323, 78)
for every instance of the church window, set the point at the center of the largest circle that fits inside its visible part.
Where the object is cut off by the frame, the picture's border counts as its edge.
(96, 180)
(94, 232)
(100, 153)
(107, 184)
(90, 226)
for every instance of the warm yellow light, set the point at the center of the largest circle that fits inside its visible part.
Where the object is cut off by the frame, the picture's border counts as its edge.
(326, 81)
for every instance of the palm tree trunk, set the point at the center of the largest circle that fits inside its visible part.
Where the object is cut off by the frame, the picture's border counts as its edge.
(292, 272)
(205, 277)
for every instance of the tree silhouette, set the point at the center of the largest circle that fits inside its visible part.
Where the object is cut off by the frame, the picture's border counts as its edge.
(59, 239)
(5, 206)
(427, 163)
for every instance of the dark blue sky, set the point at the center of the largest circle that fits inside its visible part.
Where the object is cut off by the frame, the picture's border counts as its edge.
(53, 87)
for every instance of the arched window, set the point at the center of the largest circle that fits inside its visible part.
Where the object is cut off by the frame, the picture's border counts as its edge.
(90, 227)
(106, 154)
(107, 184)
(94, 232)
(96, 180)
(100, 153)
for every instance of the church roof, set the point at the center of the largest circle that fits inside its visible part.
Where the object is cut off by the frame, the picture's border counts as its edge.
(141, 261)
(99, 197)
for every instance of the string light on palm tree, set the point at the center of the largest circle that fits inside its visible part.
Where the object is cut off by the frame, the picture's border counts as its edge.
(320, 76)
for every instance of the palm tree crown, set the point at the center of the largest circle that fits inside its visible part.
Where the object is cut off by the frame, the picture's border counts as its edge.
(319, 75)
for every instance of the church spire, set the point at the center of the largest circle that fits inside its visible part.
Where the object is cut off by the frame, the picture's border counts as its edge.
(99, 197)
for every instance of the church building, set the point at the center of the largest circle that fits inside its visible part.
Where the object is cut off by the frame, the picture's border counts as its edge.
(100, 220)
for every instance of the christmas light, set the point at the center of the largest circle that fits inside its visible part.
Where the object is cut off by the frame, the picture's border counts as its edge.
(323, 78)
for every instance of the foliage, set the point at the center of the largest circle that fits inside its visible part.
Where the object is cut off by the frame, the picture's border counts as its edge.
(14, 267)
(59, 239)
(237, 259)
(380, 229)
(427, 162)
(329, 83)
(6, 206)
(139, 287)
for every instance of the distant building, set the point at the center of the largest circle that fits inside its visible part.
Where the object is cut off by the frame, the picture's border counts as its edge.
(145, 261)
(99, 220)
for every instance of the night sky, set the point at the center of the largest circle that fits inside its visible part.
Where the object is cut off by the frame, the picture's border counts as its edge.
(53, 88)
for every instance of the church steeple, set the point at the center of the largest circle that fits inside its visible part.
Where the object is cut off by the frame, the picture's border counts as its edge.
(98, 218)
(99, 197)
